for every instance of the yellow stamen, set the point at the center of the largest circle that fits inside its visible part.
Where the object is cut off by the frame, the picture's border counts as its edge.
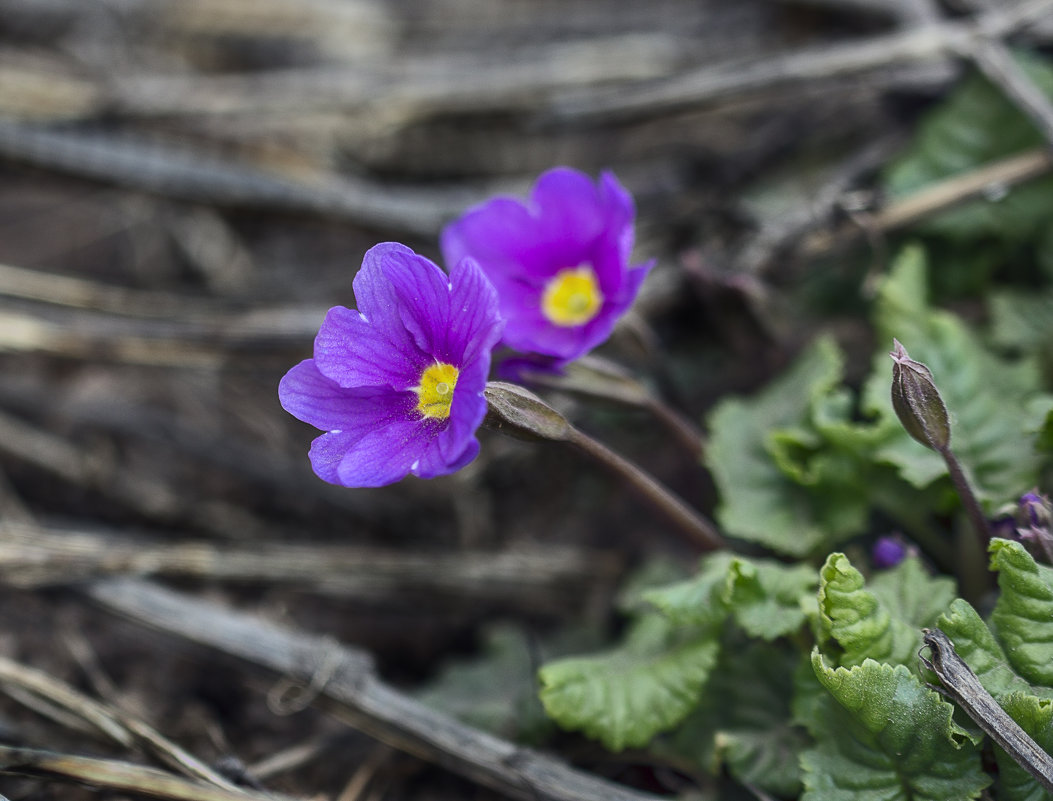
(435, 392)
(572, 296)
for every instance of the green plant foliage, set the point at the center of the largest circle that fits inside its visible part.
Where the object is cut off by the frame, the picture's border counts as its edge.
(625, 696)
(1012, 661)
(769, 599)
(496, 691)
(776, 488)
(743, 721)
(992, 401)
(698, 601)
(897, 740)
(977, 645)
(1023, 616)
(1022, 320)
(974, 126)
(911, 593)
(858, 621)
(766, 598)
(1044, 440)
(1035, 716)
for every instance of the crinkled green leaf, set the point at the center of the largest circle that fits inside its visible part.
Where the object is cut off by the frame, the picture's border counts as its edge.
(1023, 616)
(976, 644)
(759, 454)
(743, 721)
(625, 696)
(990, 399)
(974, 126)
(911, 593)
(900, 742)
(1035, 716)
(767, 598)
(857, 620)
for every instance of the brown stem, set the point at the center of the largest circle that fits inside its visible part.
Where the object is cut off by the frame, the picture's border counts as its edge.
(701, 530)
(967, 496)
(686, 433)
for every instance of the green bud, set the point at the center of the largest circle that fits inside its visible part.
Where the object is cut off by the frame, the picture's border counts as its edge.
(521, 414)
(917, 402)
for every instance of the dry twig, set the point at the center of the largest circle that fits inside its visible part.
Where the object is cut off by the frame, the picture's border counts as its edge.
(355, 691)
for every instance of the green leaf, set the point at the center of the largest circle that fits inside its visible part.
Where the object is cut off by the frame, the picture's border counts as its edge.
(1022, 320)
(1023, 616)
(625, 696)
(743, 721)
(767, 598)
(860, 623)
(991, 400)
(1044, 441)
(759, 456)
(700, 600)
(896, 742)
(976, 125)
(975, 644)
(911, 593)
(1035, 716)
(496, 691)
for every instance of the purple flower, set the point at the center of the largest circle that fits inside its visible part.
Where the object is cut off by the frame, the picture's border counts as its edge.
(560, 262)
(890, 550)
(398, 385)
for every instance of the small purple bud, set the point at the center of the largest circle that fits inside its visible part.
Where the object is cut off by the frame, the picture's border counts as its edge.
(1037, 509)
(889, 551)
(1003, 526)
(917, 402)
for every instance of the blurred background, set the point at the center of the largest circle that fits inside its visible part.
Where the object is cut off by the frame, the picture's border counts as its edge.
(187, 185)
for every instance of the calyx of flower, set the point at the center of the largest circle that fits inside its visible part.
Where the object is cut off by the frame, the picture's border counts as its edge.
(917, 401)
(435, 391)
(572, 296)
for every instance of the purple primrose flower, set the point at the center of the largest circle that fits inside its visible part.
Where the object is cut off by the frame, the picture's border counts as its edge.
(398, 385)
(560, 262)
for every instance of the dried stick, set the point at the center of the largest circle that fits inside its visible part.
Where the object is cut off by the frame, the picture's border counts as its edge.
(543, 579)
(707, 84)
(355, 691)
(115, 775)
(936, 197)
(191, 176)
(962, 685)
(115, 724)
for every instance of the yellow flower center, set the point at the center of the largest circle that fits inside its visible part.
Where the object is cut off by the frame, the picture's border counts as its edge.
(435, 393)
(572, 296)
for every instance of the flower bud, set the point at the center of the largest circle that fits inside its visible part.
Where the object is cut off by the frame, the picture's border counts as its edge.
(917, 402)
(520, 413)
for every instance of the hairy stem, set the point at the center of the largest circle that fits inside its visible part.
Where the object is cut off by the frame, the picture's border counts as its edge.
(693, 523)
(968, 498)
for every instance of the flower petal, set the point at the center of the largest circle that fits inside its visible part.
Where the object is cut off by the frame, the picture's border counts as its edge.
(357, 351)
(385, 455)
(568, 207)
(569, 220)
(434, 464)
(377, 295)
(501, 234)
(621, 211)
(475, 325)
(309, 396)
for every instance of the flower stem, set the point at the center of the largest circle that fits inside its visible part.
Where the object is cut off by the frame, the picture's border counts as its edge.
(693, 523)
(973, 576)
(518, 412)
(967, 496)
